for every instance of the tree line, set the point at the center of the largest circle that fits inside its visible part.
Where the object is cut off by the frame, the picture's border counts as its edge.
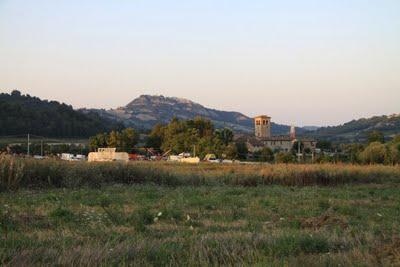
(377, 150)
(124, 140)
(23, 114)
(199, 136)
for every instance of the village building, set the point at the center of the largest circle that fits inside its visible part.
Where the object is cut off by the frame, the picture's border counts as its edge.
(263, 138)
(107, 154)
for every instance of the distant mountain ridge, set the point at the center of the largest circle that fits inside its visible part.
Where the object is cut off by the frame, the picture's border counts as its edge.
(357, 130)
(146, 111)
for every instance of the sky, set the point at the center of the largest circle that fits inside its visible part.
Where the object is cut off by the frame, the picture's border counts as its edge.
(309, 62)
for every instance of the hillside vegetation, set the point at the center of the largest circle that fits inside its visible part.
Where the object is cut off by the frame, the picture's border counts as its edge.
(22, 114)
(357, 130)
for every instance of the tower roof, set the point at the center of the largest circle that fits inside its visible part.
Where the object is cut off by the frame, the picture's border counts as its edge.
(262, 116)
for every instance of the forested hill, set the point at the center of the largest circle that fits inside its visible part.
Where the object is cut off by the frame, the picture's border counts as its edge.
(357, 130)
(22, 114)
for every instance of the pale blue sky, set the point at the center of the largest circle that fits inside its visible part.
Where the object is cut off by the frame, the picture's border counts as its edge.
(303, 62)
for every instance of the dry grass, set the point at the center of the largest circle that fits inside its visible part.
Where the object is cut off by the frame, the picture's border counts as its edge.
(18, 173)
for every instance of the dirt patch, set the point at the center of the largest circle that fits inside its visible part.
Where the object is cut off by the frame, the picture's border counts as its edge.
(28, 219)
(388, 252)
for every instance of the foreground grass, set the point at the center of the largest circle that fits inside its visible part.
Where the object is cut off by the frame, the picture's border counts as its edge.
(203, 225)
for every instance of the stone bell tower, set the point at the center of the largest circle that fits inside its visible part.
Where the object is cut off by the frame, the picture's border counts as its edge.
(262, 126)
(292, 132)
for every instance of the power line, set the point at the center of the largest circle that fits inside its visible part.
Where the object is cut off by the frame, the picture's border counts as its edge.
(28, 145)
(10, 136)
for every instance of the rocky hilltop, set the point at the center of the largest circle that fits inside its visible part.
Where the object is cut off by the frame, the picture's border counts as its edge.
(146, 111)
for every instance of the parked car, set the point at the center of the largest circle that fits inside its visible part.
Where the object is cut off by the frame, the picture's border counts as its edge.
(211, 158)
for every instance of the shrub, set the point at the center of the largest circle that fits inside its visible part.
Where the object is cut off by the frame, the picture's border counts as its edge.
(172, 213)
(7, 222)
(265, 155)
(324, 204)
(283, 157)
(295, 244)
(62, 214)
(393, 153)
(374, 153)
(141, 218)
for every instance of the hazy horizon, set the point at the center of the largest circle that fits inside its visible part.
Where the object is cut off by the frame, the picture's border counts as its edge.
(301, 62)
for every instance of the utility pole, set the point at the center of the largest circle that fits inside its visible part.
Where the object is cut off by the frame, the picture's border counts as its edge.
(28, 144)
(41, 148)
(194, 150)
(298, 150)
(312, 155)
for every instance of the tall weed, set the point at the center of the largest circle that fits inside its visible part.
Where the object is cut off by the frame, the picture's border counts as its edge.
(18, 173)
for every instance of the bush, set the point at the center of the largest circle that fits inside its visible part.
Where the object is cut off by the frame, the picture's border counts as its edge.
(374, 153)
(295, 244)
(172, 213)
(393, 156)
(7, 222)
(283, 157)
(264, 155)
(62, 214)
(141, 218)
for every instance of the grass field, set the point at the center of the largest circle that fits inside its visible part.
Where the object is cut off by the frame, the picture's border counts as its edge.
(198, 221)
(205, 225)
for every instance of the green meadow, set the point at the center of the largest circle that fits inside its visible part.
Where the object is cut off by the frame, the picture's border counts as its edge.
(206, 225)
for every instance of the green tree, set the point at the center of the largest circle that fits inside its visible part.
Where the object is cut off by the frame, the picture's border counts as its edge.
(203, 126)
(114, 140)
(352, 151)
(264, 155)
(178, 138)
(393, 151)
(323, 158)
(376, 136)
(295, 147)
(183, 136)
(242, 150)
(207, 145)
(124, 141)
(231, 151)
(324, 145)
(396, 139)
(21, 114)
(374, 153)
(393, 154)
(156, 137)
(128, 139)
(225, 135)
(98, 141)
(282, 157)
